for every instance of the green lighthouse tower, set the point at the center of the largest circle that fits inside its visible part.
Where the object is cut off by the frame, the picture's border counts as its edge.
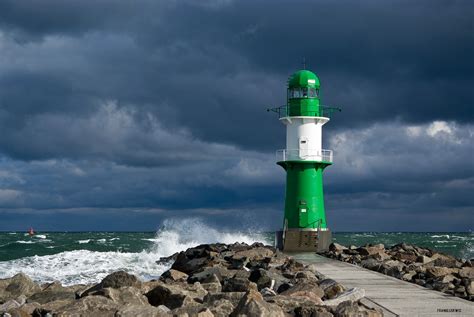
(304, 224)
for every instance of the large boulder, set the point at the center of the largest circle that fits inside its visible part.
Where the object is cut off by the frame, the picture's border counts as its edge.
(371, 249)
(352, 309)
(115, 280)
(53, 292)
(331, 288)
(438, 271)
(175, 295)
(252, 304)
(266, 278)
(141, 311)
(336, 247)
(371, 264)
(124, 296)
(232, 297)
(311, 289)
(351, 295)
(91, 306)
(20, 284)
(237, 285)
(466, 272)
(173, 276)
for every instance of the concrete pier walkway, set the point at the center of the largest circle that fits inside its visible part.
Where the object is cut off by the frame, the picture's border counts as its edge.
(395, 297)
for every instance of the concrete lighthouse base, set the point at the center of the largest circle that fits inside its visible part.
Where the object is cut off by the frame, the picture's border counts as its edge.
(303, 240)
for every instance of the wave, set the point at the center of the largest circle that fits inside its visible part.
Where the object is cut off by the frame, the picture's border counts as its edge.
(39, 236)
(84, 241)
(25, 242)
(440, 236)
(86, 267)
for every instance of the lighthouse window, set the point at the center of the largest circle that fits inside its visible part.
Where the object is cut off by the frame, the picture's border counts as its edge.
(305, 92)
(313, 92)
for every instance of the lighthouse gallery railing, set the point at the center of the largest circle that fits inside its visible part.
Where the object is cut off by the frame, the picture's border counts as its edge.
(304, 155)
(324, 111)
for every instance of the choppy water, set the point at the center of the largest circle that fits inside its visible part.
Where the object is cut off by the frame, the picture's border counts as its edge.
(87, 257)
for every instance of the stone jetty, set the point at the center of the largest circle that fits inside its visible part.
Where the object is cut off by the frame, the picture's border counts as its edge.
(425, 267)
(207, 280)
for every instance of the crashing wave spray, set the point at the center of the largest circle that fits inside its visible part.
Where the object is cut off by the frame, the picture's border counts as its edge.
(86, 267)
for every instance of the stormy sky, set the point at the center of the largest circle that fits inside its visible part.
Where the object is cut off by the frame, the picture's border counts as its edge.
(116, 115)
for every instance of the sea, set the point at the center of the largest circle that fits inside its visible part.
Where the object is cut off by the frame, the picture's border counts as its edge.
(87, 257)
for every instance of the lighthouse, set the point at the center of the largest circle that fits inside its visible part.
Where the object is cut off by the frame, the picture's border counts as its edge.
(304, 160)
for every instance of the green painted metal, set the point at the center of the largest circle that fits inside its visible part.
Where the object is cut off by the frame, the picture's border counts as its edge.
(303, 94)
(304, 199)
(303, 78)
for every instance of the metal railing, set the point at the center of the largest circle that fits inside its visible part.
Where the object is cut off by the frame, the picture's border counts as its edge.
(304, 155)
(321, 111)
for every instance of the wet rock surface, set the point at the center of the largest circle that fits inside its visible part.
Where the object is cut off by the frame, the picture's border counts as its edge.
(207, 280)
(425, 267)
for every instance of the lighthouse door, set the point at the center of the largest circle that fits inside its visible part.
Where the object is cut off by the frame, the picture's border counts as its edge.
(303, 147)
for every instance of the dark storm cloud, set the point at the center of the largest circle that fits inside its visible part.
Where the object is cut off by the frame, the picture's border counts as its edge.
(161, 105)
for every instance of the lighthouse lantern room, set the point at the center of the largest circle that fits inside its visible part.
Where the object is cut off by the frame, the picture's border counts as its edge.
(304, 159)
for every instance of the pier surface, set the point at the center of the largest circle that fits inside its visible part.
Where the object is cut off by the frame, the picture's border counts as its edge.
(395, 297)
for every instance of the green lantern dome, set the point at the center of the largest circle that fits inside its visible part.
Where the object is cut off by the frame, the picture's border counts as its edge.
(303, 78)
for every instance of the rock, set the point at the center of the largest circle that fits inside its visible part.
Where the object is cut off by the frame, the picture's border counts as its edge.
(91, 306)
(292, 266)
(371, 249)
(264, 278)
(393, 268)
(174, 275)
(406, 257)
(312, 311)
(206, 276)
(351, 295)
(351, 309)
(336, 247)
(408, 276)
(447, 279)
(255, 254)
(232, 297)
(222, 308)
(10, 304)
(120, 279)
(437, 271)
(289, 304)
(470, 288)
(331, 288)
(190, 265)
(237, 285)
(310, 287)
(115, 280)
(252, 304)
(20, 284)
(141, 311)
(371, 264)
(445, 260)
(18, 312)
(424, 259)
(466, 272)
(175, 296)
(215, 287)
(307, 275)
(124, 295)
(53, 292)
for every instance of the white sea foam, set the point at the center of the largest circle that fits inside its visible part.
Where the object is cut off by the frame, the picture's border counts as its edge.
(84, 241)
(39, 236)
(85, 267)
(441, 236)
(25, 242)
